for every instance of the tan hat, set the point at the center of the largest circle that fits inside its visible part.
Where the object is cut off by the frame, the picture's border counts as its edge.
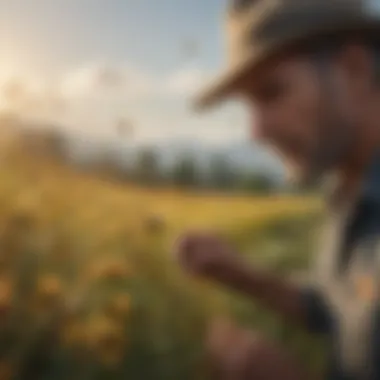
(258, 29)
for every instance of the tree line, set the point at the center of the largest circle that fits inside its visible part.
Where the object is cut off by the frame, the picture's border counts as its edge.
(187, 173)
(147, 169)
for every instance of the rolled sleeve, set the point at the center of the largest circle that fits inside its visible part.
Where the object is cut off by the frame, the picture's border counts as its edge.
(318, 314)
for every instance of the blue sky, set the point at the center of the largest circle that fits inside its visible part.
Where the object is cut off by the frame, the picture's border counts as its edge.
(90, 63)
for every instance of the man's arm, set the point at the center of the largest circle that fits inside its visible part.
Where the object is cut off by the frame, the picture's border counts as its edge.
(208, 256)
(273, 292)
(236, 353)
(298, 305)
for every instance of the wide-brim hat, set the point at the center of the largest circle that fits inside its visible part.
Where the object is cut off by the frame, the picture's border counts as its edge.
(258, 30)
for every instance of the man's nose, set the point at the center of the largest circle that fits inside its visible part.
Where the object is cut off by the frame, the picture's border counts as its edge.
(266, 126)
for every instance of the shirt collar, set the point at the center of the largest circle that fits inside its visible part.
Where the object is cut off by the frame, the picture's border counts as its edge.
(370, 187)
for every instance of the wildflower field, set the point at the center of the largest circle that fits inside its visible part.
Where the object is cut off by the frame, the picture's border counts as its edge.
(88, 285)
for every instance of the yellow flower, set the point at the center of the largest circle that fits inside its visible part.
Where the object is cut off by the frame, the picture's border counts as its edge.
(109, 269)
(154, 224)
(73, 333)
(49, 289)
(6, 294)
(119, 307)
(106, 339)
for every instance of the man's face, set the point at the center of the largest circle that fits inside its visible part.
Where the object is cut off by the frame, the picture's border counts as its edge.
(305, 111)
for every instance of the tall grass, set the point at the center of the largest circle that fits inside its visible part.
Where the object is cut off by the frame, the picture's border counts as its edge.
(88, 286)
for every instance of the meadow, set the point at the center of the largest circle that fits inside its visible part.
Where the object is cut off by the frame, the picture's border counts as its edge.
(89, 288)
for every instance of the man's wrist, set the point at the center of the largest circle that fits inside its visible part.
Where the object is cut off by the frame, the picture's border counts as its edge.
(232, 273)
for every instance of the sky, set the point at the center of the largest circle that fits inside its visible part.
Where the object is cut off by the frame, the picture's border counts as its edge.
(95, 67)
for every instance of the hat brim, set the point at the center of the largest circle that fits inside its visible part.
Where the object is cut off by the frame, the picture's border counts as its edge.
(231, 80)
(227, 83)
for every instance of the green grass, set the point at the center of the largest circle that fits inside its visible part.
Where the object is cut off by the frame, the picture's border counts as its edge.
(90, 288)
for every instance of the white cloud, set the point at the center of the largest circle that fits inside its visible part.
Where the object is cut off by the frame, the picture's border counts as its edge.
(103, 79)
(32, 97)
(13, 90)
(160, 125)
(186, 82)
(103, 84)
(93, 98)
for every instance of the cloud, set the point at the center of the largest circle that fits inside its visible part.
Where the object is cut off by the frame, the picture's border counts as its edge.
(14, 91)
(103, 79)
(30, 97)
(186, 82)
(90, 91)
(131, 82)
(95, 97)
(98, 84)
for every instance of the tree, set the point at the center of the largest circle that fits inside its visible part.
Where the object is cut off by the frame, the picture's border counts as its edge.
(185, 172)
(222, 174)
(258, 183)
(147, 168)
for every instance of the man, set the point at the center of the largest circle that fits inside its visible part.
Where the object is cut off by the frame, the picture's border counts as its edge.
(309, 71)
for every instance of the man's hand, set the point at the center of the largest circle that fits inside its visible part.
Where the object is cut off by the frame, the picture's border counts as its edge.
(239, 354)
(205, 255)
(209, 256)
